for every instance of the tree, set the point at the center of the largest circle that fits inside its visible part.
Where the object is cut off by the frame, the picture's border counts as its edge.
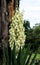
(32, 35)
(4, 23)
(26, 24)
(27, 30)
(36, 35)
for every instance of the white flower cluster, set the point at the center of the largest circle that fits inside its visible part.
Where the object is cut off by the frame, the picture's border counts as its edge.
(16, 31)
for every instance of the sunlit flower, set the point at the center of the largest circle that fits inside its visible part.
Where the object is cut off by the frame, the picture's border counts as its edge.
(16, 31)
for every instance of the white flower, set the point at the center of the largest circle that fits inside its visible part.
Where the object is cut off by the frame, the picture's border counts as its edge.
(16, 31)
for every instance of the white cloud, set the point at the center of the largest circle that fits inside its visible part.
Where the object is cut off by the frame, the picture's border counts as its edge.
(32, 10)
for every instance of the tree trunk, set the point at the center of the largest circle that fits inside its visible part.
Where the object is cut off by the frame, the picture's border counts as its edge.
(4, 27)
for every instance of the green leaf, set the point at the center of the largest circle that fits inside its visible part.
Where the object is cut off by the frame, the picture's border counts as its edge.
(24, 54)
(14, 55)
(28, 60)
(19, 57)
(33, 59)
(5, 55)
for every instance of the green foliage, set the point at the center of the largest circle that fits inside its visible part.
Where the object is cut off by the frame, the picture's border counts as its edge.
(38, 49)
(26, 24)
(5, 55)
(36, 36)
(23, 57)
(36, 32)
(32, 35)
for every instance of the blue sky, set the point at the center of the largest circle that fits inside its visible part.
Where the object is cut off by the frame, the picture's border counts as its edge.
(31, 10)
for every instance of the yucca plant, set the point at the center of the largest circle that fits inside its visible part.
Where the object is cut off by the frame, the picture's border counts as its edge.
(18, 55)
(23, 57)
